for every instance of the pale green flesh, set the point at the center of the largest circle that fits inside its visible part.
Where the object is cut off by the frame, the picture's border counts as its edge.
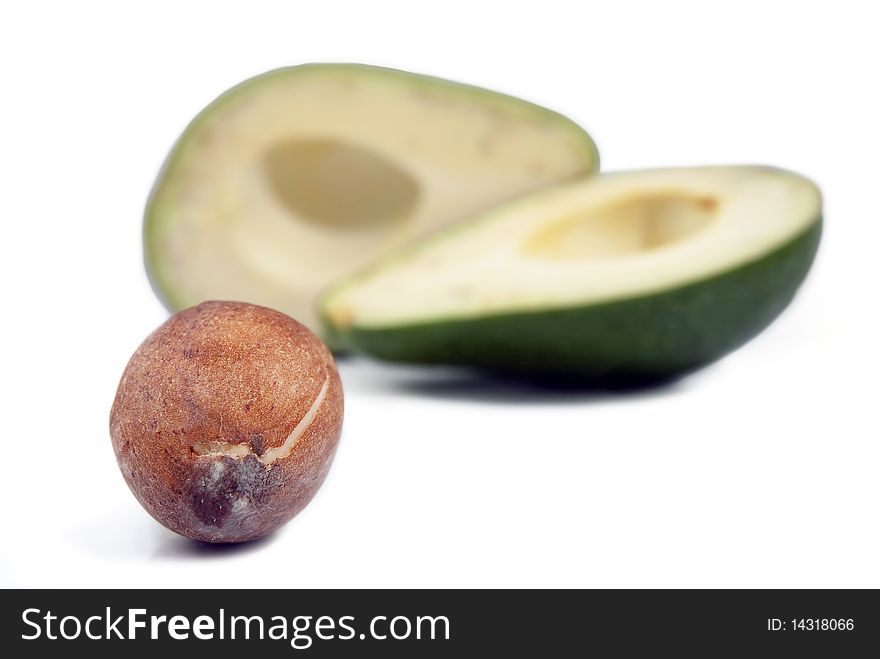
(301, 176)
(613, 237)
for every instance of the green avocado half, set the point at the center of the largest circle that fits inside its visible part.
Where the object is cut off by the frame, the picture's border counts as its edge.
(631, 277)
(300, 176)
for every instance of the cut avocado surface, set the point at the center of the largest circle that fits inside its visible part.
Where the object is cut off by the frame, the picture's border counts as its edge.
(299, 176)
(628, 276)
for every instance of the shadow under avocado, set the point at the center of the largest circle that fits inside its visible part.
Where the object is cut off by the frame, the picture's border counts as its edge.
(175, 547)
(447, 383)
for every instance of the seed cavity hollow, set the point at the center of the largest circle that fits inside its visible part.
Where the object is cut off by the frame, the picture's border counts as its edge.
(339, 184)
(220, 448)
(624, 227)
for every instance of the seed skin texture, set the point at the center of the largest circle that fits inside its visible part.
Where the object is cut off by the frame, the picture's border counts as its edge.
(201, 406)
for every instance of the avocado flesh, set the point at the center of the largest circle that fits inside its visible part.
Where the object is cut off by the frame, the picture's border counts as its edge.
(632, 277)
(302, 175)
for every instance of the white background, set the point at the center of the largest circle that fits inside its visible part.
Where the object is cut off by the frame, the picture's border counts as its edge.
(761, 471)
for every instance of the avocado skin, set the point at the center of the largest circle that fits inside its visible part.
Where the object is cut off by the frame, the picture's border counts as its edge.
(634, 341)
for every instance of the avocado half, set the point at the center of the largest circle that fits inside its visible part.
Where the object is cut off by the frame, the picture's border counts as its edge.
(296, 177)
(630, 277)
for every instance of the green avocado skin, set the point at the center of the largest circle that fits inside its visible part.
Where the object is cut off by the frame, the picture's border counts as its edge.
(644, 339)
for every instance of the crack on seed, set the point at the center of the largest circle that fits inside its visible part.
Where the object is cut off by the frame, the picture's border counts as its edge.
(222, 448)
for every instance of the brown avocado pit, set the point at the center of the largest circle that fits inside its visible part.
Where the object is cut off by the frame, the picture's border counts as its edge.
(226, 421)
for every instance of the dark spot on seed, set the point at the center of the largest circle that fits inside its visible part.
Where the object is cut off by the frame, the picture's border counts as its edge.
(217, 483)
(258, 443)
